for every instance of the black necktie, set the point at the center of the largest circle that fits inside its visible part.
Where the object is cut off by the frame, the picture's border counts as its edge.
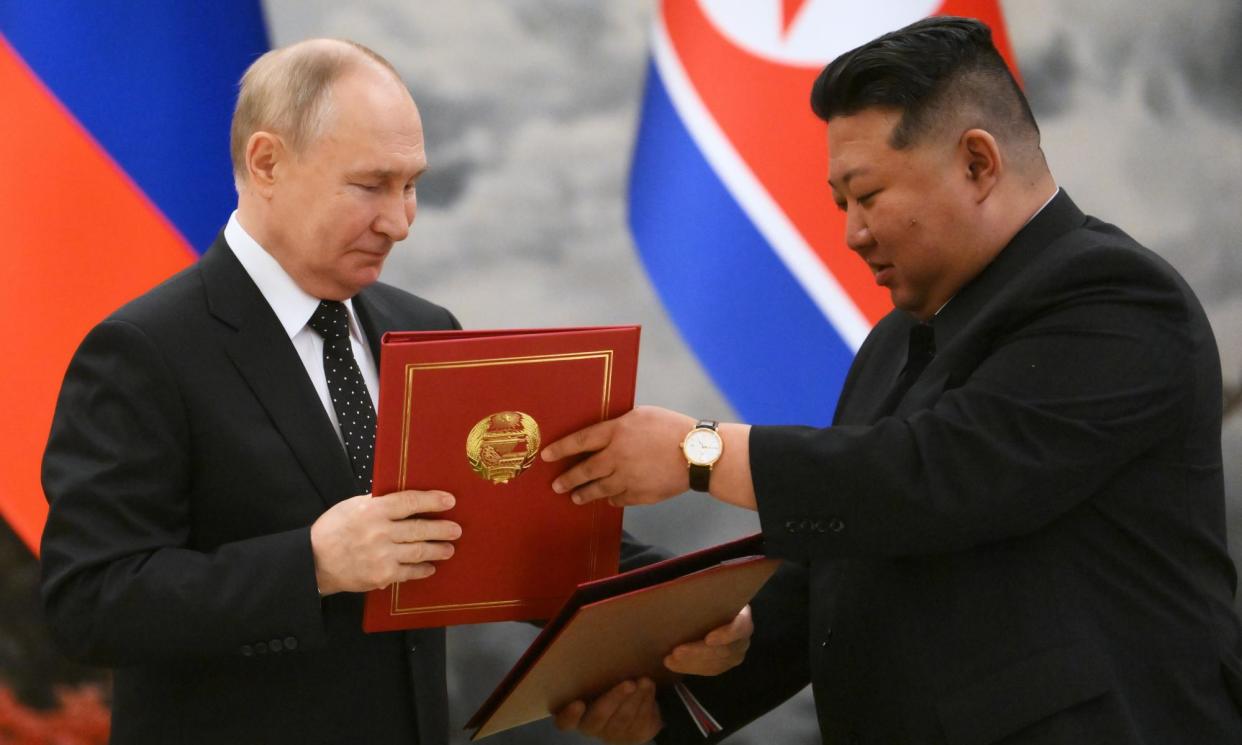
(922, 350)
(350, 399)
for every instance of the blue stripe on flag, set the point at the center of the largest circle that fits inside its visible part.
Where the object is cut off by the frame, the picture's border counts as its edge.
(154, 83)
(772, 353)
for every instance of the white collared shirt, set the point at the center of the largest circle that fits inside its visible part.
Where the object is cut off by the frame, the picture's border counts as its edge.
(294, 307)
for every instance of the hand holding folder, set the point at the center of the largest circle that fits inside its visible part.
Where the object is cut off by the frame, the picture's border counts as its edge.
(467, 412)
(629, 711)
(621, 628)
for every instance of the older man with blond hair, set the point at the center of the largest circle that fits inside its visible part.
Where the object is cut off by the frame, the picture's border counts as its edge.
(210, 524)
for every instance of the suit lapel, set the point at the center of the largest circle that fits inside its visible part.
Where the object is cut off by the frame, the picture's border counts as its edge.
(375, 320)
(263, 355)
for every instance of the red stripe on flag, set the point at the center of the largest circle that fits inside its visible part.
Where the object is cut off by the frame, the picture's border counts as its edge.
(81, 240)
(764, 109)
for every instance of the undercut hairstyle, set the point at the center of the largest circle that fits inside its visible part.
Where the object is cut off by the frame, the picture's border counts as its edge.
(937, 72)
(288, 92)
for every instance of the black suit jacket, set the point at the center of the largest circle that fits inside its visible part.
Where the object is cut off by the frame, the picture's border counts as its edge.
(1031, 548)
(188, 457)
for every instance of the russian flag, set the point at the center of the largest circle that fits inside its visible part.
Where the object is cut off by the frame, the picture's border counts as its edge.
(729, 203)
(114, 141)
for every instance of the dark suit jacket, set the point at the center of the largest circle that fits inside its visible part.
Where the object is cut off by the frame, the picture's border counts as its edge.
(188, 457)
(1031, 548)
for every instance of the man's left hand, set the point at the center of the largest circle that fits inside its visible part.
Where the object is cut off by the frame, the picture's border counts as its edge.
(625, 715)
(628, 713)
(722, 649)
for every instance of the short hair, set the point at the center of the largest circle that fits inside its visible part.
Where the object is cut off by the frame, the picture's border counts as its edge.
(288, 91)
(934, 71)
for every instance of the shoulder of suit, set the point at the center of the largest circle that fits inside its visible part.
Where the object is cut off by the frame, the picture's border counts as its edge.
(1100, 249)
(169, 303)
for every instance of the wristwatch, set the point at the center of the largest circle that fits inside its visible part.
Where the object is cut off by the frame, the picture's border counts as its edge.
(702, 448)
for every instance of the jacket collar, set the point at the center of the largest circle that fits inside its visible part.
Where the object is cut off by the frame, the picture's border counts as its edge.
(1059, 217)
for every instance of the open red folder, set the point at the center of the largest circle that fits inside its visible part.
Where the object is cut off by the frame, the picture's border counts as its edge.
(467, 412)
(620, 628)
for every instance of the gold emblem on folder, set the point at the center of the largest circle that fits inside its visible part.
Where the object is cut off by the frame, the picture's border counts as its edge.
(503, 445)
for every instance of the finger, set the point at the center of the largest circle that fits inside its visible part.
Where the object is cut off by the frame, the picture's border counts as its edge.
(585, 472)
(741, 627)
(694, 657)
(423, 551)
(568, 718)
(620, 499)
(402, 504)
(649, 718)
(647, 721)
(586, 440)
(604, 488)
(409, 572)
(620, 725)
(412, 530)
(601, 709)
(699, 659)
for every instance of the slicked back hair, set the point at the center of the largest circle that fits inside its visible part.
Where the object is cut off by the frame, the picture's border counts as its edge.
(287, 91)
(936, 72)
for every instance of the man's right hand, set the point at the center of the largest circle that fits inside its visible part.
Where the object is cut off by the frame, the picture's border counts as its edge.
(365, 543)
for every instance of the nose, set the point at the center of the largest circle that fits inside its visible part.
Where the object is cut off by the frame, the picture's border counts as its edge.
(857, 233)
(395, 216)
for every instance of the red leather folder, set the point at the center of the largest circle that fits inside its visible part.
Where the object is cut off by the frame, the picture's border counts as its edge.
(620, 628)
(466, 412)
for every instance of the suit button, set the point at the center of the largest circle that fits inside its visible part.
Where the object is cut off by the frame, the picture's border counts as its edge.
(791, 526)
(827, 637)
(275, 645)
(260, 647)
(247, 650)
(818, 526)
(836, 525)
(413, 648)
(291, 642)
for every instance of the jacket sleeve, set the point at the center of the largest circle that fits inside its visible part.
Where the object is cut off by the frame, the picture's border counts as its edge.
(120, 584)
(1079, 381)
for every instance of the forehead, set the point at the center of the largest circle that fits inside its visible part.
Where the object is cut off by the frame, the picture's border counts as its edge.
(860, 141)
(373, 123)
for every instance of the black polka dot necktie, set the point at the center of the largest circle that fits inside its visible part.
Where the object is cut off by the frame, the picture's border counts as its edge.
(350, 399)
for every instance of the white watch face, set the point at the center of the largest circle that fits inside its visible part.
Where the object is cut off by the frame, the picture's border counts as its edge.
(703, 447)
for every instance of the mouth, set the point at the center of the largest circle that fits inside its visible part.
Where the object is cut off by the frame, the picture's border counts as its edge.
(883, 273)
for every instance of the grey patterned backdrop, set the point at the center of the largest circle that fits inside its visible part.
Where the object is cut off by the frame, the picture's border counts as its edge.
(530, 105)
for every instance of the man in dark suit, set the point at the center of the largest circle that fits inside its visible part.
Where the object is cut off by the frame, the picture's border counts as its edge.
(1013, 531)
(204, 536)
(208, 470)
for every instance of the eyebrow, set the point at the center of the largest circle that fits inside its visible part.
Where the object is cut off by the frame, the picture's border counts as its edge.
(384, 174)
(845, 180)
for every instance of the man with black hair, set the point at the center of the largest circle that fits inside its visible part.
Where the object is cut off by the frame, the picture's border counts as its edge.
(1013, 531)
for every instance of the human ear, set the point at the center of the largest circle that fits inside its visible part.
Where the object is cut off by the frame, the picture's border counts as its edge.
(982, 158)
(263, 151)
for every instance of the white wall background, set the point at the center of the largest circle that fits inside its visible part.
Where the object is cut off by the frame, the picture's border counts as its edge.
(530, 107)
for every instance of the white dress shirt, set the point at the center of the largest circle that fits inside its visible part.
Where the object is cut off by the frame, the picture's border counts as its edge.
(294, 307)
